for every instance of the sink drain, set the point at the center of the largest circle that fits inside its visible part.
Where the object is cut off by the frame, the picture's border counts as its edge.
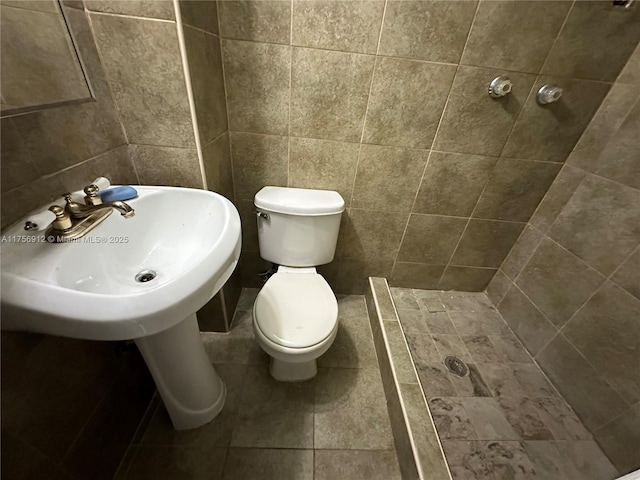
(145, 276)
(456, 366)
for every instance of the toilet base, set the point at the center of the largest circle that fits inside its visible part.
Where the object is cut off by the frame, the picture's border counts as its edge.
(293, 372)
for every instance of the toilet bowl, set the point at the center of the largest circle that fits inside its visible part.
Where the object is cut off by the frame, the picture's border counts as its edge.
(295, 320)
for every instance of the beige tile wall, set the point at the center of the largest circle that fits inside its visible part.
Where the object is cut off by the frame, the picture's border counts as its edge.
(386, 102)
(570, 287)
(52, 151)
(139, 48)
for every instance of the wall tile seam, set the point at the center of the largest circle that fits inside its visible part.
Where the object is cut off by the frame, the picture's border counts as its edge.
(535, 82)
(404, 212)
(132, 17)
(364, 118)
(566, 250)
(528, 257)
(619, 184)
(226, 132)
(107, 81)
(20, 7)
(555, 41)
(419, 60)
(464, 230)
(607, 279)
(555, 221)
(603, 105)
(133, 165)
(173, 147)
(351, 52)
(66, 169)
(615, 419)
(450, 152)
(588, 172)
(519, 116)
(551, 324)
(192, 27)
(471, 218)
(226, 108)
(500, 157)
(565, 166)
(435, 136)
(409, 59)
(546, 233)
(473, 266)
(405, 147)
(290, 89)
(627, 84)
(495, 304)
(601, 376)
(611, 279)
(531, 357)
(558, 331)
(440, 265)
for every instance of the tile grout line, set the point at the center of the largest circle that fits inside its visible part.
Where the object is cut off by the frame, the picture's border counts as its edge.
(604, 282)
(366, 111)
(555, 41)
(558, 333)
(418, 60)
(197, 29)
(226, 103)
(565, 167)
(528, 257)
(538, 75)
(364, 124)
(132, 17)
(548, 162)
(291, 13)
(475, 16)
(89, 16)
(604, 379)
(565, 249)
(214, 140)
(614, 419)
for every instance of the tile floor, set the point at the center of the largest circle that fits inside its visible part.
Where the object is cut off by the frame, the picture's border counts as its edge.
(335, 426)
(504, 420)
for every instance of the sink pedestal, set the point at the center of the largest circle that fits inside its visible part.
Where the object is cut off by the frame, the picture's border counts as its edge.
(190, 388)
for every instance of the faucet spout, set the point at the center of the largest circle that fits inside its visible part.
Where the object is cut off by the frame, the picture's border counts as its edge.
(124, 208)
(78, 210)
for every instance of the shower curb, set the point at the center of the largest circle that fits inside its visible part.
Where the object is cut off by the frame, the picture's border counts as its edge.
(418, 447)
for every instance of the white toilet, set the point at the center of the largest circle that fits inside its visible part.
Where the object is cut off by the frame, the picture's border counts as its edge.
(295, 316)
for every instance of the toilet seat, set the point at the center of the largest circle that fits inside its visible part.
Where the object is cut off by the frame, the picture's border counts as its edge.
(296, 310)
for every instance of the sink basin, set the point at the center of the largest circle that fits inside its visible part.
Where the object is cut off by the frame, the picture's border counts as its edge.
(184, 242)
(88, 289)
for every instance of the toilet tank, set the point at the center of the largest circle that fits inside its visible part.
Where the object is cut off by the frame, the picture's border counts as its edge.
(298, 227)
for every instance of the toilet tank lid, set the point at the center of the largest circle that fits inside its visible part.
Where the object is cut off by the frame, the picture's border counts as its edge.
(299, 201)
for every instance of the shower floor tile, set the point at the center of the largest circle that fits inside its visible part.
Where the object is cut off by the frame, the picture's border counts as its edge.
(332, 427)
(503, 419)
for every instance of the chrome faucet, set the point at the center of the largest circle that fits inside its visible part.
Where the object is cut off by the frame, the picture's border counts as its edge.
(75, 220)
(78, 210)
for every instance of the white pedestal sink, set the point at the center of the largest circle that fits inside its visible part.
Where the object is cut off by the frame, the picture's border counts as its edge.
(88, 289)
